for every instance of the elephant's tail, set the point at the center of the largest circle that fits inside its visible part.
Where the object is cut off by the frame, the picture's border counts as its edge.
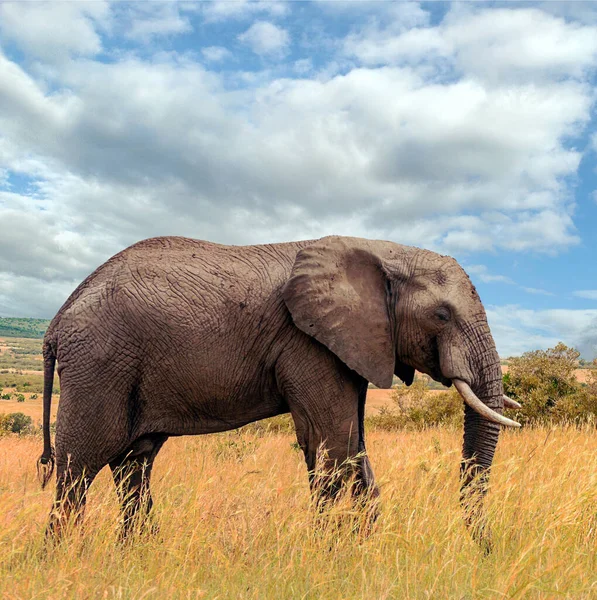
(45, 464)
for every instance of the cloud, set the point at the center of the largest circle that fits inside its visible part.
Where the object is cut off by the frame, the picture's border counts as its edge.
(587, 343)
(266, 39)
(589, 294)
(54, 30)
(498, 46)
(146, 147)
(151, 142)
(517, 330)
(303, 66)
(537, 291)
(523, 44)
(216, 54)
(483, 274)
(155, 19)
(582, 12)
(222, 10)
(22, 296)
(403, 15)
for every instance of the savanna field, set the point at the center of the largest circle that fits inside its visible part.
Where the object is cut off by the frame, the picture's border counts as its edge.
(234, 518)
(235, 522)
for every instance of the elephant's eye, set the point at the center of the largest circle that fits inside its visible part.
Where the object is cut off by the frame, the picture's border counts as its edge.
(443, 313)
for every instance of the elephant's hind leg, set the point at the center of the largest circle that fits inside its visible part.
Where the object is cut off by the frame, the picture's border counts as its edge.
(72, 483)
(132, 472)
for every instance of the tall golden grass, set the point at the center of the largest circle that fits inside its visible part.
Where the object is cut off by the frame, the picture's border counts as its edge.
(235, 521)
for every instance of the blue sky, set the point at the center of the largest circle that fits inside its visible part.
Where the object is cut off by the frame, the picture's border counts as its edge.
(467, 128)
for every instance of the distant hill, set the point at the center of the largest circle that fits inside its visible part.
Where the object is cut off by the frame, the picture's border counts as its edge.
(23, 328)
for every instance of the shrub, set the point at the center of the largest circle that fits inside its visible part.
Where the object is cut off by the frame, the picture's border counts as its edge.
(16, 423)
(20, 398)
(543, 381)
(387, 419)
(442, 408)
(416, 408)
(4, 428)
(6, 396)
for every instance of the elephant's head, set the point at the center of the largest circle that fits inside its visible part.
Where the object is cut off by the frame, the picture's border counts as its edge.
(388, 309)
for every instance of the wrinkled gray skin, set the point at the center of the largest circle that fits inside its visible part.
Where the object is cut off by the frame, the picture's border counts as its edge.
(175, 336)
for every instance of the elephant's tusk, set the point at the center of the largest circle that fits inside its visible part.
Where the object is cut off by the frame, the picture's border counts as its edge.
(471, 399)
(509, 403)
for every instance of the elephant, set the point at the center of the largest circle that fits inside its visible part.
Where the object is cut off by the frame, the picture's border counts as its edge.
(175, 336)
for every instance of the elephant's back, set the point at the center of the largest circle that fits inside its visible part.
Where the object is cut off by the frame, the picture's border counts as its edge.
(192, 270)
(177, 282)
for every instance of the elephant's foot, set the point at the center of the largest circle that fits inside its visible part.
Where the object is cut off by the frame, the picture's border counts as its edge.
(140, 526)
(344, 500)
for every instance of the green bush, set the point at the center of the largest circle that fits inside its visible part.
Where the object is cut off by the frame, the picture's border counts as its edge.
(544, 382)
(416, 408)
(16, 423)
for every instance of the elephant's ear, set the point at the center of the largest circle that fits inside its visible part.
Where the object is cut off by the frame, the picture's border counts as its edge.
(338, 293)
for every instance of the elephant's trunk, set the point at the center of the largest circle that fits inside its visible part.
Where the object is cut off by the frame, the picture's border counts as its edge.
(480, 440)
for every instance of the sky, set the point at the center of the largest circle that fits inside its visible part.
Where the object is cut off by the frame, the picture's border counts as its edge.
(466, 128)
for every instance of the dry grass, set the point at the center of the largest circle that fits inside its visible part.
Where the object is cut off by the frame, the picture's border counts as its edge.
(32, 408)
(235, 522)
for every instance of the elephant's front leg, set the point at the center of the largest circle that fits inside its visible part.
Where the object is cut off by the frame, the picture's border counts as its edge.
(331, 454)
(329, 419)
(365, 486)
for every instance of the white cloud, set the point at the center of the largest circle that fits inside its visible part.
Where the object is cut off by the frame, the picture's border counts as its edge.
(45, 259)
(497, 45)
(54, 30)
(588, 294)
(374, 46)
(154, 19)
(482, 272)
(537, 291)
(403, 15)
(143, 148)
(221, 10)
(527, 44)
(216, 54)
(266, 39)
(303, 66)
(582, 12)
(22, 296)
(518, 330)
(129, 148)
